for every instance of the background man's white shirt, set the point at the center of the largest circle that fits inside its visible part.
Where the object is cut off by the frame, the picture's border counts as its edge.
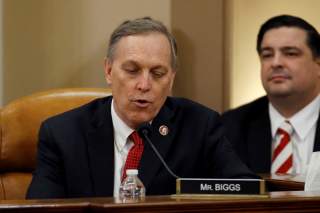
(304, 125)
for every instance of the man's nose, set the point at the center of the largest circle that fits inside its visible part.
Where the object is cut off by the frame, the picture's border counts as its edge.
(277, 60)
(144, 82)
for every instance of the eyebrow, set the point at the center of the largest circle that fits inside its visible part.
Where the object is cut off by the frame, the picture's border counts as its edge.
(159, 67)
(265, 49)
(137, 64)
(284, 48)
(290, 48)
(130, 63)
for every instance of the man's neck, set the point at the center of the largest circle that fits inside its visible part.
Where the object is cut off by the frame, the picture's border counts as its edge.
(290, 105)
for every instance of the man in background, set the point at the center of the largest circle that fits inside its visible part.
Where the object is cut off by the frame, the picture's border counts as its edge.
(86, 151)
(277, 133)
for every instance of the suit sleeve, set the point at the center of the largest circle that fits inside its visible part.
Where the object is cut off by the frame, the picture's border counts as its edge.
(48, 178)
(225, 162)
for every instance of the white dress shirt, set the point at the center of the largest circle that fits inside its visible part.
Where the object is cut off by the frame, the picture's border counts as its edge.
(304, 125)
(122, 145)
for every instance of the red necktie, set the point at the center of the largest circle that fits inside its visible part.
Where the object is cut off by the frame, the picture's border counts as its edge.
(134, 154)
(282, 161)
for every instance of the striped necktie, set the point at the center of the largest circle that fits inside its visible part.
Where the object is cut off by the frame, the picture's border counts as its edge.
(282, 157)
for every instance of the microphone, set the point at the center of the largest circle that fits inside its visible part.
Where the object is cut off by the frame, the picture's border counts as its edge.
(145, 130)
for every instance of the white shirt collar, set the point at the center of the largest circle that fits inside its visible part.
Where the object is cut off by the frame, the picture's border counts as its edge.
(276, 119)
(302, 121)
(121, 129)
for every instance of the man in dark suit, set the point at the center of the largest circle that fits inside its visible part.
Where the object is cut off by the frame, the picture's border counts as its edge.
(289, 51)
(82, 153)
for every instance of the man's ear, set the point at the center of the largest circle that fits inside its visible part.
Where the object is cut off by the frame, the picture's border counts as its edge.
(174, 72)
(318, 61)
(108, 70)
(172, 80)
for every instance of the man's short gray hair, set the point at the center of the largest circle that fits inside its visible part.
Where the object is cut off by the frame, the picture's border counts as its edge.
(141, 26)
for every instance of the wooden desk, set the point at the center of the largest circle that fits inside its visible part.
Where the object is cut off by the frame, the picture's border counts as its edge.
(284, 182)
(298, 201)
(280, 201)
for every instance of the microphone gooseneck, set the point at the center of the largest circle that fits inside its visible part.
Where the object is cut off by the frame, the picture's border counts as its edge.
(144, 131)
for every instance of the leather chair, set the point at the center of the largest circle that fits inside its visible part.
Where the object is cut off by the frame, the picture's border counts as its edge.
(20, 121)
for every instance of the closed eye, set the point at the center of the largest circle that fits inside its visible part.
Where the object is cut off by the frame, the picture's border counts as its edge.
(130, 67)
(266, 55)
(159, 72)
(291, 51)
(131, 71)
(266, 52)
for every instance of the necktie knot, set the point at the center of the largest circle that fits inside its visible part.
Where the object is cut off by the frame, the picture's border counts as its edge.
(136, 138)
(285, 128)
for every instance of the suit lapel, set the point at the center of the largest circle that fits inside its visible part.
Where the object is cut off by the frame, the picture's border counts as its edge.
(150, 164)
(316, 146)
(259, 142)
(101, 150)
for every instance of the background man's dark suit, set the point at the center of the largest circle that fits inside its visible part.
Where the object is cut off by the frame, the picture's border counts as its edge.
(76, 151)
(248, 129)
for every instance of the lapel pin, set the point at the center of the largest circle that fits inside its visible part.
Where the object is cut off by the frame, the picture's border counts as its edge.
(163, 130)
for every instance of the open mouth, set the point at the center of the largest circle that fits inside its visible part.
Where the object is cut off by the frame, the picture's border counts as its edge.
(142, 103)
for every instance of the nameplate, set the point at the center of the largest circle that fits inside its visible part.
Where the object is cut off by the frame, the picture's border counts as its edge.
(220, 186)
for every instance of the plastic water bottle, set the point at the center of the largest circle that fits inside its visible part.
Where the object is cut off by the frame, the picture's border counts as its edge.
(131, 188)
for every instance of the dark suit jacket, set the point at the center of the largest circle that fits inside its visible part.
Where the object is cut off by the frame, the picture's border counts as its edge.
(76, 151)
(248, 129)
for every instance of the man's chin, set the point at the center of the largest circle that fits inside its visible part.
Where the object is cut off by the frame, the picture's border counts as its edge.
(140, 121)
(280, 93)
(279, 90)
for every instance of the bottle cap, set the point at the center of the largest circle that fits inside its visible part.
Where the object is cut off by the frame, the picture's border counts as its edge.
(132, 172)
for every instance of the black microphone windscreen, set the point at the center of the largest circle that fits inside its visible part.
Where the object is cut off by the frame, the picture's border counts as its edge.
(144, 129)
